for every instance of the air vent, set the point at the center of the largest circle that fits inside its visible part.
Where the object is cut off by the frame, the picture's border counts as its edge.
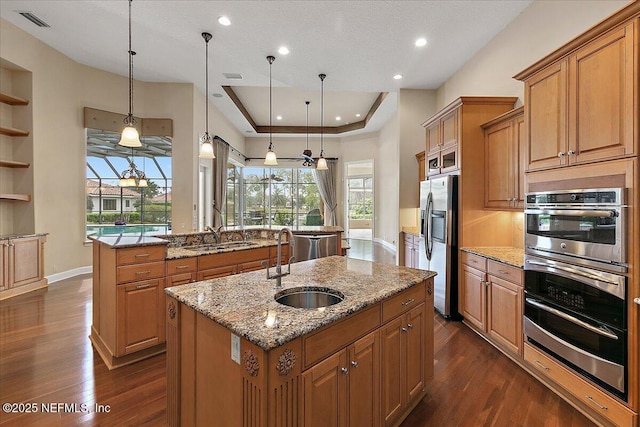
(233, 76)
(33, 18)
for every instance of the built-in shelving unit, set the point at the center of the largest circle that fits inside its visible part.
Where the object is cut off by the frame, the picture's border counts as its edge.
(17, 197)
(13, 131)
(5, 98)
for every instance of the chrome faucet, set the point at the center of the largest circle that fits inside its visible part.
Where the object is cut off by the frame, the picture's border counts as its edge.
(216, 233)
(279, 274)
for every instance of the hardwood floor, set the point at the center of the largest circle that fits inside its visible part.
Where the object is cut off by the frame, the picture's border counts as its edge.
(46, 358)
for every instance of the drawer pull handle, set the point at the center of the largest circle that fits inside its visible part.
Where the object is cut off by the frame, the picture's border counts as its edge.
(403, 329)
(410, 325)
(142, 255)
(344, 371)
(138, 273)
(142, 286)
(411, 301)
(604, 408)
(503, 272)
(354, 363)
(537, 362)
(181, 267)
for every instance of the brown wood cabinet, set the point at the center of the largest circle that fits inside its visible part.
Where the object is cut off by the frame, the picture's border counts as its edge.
(505, 147)
(492, 301)
(442, 136)
(22, 264)
(580, 108)
(343, 389)
(128, 303)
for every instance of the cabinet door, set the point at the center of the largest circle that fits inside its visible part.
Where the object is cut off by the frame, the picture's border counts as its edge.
(213, 273)
(139, 316)
(505, 313)
(364, 381)
(449, 159)
(180, 279)
(4, 265)
(415, 351)
(546, 111)
(433, 137)
(498, 146)
(393, 382)
(474, 297)
(325, 392)
(433, 163)
(408, 251)
(251, 266)
(601, 98)
(450, 128)
(27, 261)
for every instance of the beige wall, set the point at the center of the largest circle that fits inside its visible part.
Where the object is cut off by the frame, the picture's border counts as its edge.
(387, 182)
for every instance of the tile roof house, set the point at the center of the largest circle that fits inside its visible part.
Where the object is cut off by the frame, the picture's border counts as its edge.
(111, 197)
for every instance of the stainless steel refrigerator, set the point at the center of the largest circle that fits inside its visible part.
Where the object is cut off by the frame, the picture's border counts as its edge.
(439, 240)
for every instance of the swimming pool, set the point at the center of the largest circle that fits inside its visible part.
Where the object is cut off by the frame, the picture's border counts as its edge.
(108, 230)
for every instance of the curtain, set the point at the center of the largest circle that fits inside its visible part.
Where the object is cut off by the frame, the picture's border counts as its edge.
(326, 181)
(221, 151)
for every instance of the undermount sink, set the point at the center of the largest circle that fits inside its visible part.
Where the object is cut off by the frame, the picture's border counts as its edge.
(309, 297)
(219, 246)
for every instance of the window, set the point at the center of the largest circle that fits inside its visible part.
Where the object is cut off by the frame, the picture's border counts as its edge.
(277, 196)
(112, 209)
(108, 204)
(361, 198)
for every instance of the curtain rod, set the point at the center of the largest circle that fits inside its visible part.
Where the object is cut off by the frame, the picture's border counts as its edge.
(231, 147)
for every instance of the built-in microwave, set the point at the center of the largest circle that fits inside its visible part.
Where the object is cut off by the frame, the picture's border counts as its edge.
(584, 227)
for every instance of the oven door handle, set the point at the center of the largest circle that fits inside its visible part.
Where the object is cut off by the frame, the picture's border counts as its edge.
(579, 271)
(601, 330)
(573, 212)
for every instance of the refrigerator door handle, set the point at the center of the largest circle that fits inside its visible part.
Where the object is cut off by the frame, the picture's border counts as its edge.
(428, 244)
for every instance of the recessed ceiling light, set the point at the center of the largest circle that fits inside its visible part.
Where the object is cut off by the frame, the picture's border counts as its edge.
(358, 115)
(421, 42)
(397, 76)
(338, 118)
(217, 95)
(283, 50)
(223, 20)
(278, 117)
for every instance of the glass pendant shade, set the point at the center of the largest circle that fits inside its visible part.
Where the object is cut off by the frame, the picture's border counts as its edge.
(322, 164)
(130, 137)
(206, 148)
(270, 159)
(122, 182)
(143, 182)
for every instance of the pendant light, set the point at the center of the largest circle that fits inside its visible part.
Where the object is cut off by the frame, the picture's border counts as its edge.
(206, 142)
(322, 162)
(306, 154)
(270, 159)
(132, 177)
(130, 136)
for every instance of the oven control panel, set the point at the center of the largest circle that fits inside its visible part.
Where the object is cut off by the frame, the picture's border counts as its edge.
(577, 197)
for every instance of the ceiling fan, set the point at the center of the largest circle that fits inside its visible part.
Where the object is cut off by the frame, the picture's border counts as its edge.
(272, 177)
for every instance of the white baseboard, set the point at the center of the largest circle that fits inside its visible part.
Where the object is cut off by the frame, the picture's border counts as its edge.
(69, 273)
(386, 244)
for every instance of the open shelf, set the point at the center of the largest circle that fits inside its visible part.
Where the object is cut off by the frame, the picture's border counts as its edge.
(13, 164)
(5, 98)
(18, 197)
(13, 132)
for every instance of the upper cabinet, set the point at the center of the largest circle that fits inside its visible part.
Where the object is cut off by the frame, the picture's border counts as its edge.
(579, 101)
(442, 143)
(505, 145)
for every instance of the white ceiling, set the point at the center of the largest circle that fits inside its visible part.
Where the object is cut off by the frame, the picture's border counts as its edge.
(359, 45)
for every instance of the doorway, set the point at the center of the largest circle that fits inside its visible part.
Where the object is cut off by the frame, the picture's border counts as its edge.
(360, 201)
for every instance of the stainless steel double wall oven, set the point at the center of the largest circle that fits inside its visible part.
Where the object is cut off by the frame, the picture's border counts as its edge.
(575, 282)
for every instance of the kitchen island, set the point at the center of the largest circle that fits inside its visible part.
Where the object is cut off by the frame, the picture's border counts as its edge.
(235, 356)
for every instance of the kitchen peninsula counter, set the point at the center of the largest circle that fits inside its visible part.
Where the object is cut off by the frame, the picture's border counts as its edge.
(235, 354)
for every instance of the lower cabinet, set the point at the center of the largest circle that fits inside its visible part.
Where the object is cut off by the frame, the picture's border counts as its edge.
(403, 353)
(492, 300)
(21, 265)
(139, 316)
(411, 250)
(344, 388)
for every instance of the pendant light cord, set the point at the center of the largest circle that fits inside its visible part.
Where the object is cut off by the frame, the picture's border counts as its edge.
(130, 118)
(206, 86)
(322, 76)
(270, 104)
(307, 102)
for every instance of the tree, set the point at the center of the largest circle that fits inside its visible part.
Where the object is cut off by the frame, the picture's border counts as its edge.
(89, 203)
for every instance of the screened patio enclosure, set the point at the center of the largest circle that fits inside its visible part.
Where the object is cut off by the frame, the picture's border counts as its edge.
(112, 209)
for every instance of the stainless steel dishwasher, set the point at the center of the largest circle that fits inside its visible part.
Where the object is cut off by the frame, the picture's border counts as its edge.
(311, 247)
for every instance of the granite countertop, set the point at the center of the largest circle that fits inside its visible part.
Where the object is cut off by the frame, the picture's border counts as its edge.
(506, 254)
(411, 230)
(243, 302)
(183, 252)
(19, 236)
(124, 241)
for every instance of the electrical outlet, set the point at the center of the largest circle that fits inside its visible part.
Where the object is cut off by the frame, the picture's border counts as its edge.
(235, 348)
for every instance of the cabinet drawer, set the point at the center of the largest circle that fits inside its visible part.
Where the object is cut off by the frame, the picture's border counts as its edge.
(180, 279)
(182, 265)
(140, 254)
(402, 302)
(250, 266)
(504, 271)
(133, 273)
(475, 261)
(589, 395)
(340, 334)
(213, 273)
